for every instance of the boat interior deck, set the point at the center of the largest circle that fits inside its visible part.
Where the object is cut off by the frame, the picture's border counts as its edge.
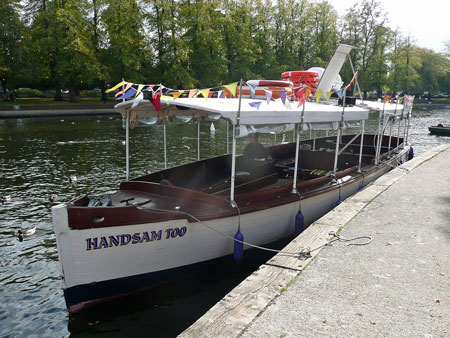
(208, 181)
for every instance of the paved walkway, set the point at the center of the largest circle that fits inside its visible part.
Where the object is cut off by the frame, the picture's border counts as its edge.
(396, 286)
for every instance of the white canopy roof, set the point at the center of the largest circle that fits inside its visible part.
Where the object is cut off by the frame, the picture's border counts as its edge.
(265, 114)
(389, 108)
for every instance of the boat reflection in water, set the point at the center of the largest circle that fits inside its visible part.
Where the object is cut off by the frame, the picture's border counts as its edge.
(178, 220)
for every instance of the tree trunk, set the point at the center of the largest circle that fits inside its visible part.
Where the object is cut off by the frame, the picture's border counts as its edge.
(104, 98)
(58, 95)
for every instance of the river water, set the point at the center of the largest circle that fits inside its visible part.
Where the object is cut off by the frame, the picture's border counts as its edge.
(37, 157)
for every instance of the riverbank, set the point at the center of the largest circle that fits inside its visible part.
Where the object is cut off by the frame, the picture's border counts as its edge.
(395, 285)
(58, 110)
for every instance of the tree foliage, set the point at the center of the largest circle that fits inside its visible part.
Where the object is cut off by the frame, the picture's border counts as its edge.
(204, 43)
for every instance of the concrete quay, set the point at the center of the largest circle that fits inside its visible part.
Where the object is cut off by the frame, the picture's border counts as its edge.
(398, 285)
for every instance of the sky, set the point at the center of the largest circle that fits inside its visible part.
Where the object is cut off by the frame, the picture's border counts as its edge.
(427, 22)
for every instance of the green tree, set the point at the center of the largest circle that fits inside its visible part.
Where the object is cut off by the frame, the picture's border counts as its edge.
(13, 50)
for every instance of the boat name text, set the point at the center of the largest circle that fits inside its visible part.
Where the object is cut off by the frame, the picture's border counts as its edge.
(125, 239)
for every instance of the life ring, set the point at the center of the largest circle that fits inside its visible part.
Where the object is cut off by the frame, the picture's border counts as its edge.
(299, 73)
(270, 83)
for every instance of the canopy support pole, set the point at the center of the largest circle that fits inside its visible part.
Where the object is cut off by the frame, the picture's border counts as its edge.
(233, 156)
(390, 136)
(198, 140)
(228, 142)
(297, 146)
(314, 141)
(379, 138)
(361, 146)
(339, 136)
(233, 165)
(398, 130)
(127, 144)
(165, 146)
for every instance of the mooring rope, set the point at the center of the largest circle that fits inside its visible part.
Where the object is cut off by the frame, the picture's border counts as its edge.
(304, 253)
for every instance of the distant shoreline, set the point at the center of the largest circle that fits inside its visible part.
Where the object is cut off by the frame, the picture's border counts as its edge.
(46, 111)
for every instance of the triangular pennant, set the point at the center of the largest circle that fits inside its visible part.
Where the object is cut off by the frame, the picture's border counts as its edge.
(268, 95)
(129, 84)
(169, 91)
(255, 104)
(399, 101)
(282, 94)
(252, 91)
(308, 91)
(139, 89)
(205, 93)
(232, 88)
(176, 95)
(288, 105)
(318, 95)
(385, 98)
(192, 93)
(138, 99)
(128, 94)
(339, 93)
(220, 94)
(329, 95)
(301, 97)
(156, 101)
(115, 87)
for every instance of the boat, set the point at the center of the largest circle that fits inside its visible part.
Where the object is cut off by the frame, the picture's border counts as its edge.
(439, 130)
(166, 223)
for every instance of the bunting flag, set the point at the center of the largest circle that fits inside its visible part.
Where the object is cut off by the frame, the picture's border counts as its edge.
(308, 91)
(192, 93)
(255, 104)
(177, 94)
(282, 94)
(138, 99)
(328, 96)
(169, 91)
(318, 95)
(115, 87)
(139, 89)
(301, 97)
(129, 84)
(268, 95)
(128, 94)
(252, 91)
(399, 101)
(288, 105)
(385, 98)
(220, 94)
(205, 93)
(339, 92)
(353, 80)
(232, 88)
(210, 95)
(156, 101)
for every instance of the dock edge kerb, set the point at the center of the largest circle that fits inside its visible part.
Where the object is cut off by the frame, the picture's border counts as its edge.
(241, 306)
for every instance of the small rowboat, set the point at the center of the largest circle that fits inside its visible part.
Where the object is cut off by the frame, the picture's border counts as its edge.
(439, 129)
